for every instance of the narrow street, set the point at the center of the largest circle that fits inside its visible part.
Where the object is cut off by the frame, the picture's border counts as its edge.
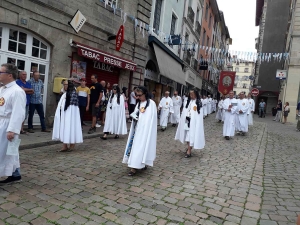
(247, 180)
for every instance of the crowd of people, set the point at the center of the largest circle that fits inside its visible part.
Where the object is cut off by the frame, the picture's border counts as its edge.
(20, 98)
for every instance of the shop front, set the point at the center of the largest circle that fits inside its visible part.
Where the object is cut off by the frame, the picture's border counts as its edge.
(192, 80)
(207, 89)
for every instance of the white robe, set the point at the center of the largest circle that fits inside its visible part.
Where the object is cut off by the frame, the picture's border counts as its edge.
(166, 107)
(67, 124)
(12, 115)
(250, 111)
(143, 150)
(213, 105)
(195, 135)
(115, 121)
(229, 117)
(242, 118)
(175, 117)
(204, 106)
(219, 114)
(209, 106)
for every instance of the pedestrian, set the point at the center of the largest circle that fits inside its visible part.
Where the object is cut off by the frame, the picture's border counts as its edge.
(177, 102)
(190, 128)
(286, 111)
(67, 121)
(204, 106)
(261, 108)
(251, 109)
(104, 101)
(242, 114)
(132, 102)
(209, 100)
(220, 110)
(83, 93)
(115, 122)
(64, 87)
(95, 100)
(230, 107)
(298, 116)
(124, 93)
(152, 95)
(140, 150)
(26, 86)
(36, 102)
(166, 108)
(12, 114)
(279, 111)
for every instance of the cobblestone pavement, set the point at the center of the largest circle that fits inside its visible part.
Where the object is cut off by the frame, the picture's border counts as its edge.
(247, 180)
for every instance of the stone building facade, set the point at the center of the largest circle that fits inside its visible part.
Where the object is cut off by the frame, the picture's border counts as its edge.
(35, 35)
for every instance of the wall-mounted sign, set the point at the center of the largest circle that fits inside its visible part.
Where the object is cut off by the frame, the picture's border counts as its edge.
(174, 40)
(120, 38)
(150, 75)
(77, 21)
(103, 66)
(190, 77)
(281, 74)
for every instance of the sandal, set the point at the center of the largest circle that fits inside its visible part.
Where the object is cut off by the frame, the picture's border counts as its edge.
(23, 132)
(70, 150)
(63, 150)
(103, 138)
(117, 136)
(131, 173)
(188, 155)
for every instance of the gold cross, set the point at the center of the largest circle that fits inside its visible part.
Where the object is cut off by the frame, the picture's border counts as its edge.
(2, 101)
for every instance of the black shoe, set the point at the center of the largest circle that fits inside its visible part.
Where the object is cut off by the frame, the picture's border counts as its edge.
(11, 179)
(226, 137)
(30, 131)
(92, 130)
(117, 136)
(103, 138)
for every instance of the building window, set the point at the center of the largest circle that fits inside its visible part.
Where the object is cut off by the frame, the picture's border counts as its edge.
(206, 11)
(203, 37)
(173, 24)
(39, 49)
(246, 64)
(209, 22)
(157, 14)
(17, 41)
(244, 85)
(112, 3)
(237, 69)
(246, 70)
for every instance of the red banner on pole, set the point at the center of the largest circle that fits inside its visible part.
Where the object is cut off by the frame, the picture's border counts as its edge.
(226, 82)
(120, 38)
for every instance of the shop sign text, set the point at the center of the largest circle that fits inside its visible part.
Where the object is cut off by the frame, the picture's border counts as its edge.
(103, 66)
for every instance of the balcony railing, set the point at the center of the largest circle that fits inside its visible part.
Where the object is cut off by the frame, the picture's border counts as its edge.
(191, 15)
(198, 28)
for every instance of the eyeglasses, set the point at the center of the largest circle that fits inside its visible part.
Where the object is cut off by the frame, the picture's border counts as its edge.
(115, 89)
(138, 95)
(3, 72)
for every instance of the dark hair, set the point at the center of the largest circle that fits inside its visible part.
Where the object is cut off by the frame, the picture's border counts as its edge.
(118, 94)
(70, 90)
(154, 90)
(135, 88)
(95, 75)
(11, 69)
(144, 90)
(198, 100)
(124, 89)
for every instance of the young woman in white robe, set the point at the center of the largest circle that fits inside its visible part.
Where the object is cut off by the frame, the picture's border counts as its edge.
(140, 150)
(219, 114)
(115, 122)
(67, 123)
(251, 110)
(190, 128)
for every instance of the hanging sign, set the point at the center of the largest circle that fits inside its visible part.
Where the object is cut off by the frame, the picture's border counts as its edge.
(77, 21)
(120, 38)
(254, 92)
(226, 82)
(281, 74)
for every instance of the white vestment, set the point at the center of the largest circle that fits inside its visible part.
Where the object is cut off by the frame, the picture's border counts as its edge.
(213, 105)
(229, 117)
(242, 118)
(67, 124)
(175, 117)
(204, 106)
(12, 115)
(142, 137)
(250, 111)
(219, 114)
(115, 121)
(209, 106)
(166, 107)
(195, 135)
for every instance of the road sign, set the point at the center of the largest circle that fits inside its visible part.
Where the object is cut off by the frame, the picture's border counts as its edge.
(281, 74)
(254, 92)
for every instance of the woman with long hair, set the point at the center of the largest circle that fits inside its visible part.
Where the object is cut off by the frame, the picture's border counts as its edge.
(140, 150)
(104, 104)
(115, 122)
(67, 123)
(190, 128)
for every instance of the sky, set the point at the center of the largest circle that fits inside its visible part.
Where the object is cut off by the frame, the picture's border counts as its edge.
(240, 20)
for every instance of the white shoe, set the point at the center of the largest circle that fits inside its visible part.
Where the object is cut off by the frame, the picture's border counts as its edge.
(98, 125)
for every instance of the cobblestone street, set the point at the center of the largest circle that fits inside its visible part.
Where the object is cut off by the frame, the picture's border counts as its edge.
(247, 180)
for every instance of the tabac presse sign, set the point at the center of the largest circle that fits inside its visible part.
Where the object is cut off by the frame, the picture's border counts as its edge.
(77, 21)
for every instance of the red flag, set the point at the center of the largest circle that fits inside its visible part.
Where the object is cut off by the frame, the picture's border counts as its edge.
(120, 38)
(226, 82)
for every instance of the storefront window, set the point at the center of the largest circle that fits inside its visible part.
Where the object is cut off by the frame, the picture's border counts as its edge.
(17, 41)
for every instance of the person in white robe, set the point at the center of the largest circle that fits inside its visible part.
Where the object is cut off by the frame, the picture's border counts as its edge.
(230, 108)
(177, 103)
(115, 122)
(242, 114)
(209, 100)
(67, 122)
(251, 110)
(213, 105)
(219, 114)
(166, 108)
(12, 115)
(204, 106)
(140, 150)
(190, 128)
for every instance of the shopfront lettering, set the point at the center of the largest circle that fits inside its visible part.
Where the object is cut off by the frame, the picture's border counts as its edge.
(129, 67)
(113, 62)
(91, 55)
(103, 66)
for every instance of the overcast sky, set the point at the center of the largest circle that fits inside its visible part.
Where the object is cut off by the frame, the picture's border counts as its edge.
(240, 20)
